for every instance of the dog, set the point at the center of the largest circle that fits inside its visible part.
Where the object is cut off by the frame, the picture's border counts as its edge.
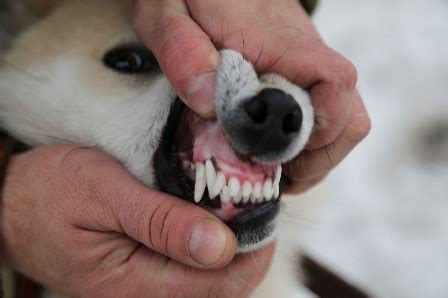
(93, 83)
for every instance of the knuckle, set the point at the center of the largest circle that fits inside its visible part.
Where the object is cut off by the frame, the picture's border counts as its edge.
(159, 227)
(343, 72)
(360, 131)
(348, 74)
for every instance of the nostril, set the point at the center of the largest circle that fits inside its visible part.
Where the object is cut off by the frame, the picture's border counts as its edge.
(292, 122)
(257, 110)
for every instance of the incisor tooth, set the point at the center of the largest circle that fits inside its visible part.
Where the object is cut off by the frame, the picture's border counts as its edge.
(247, 199)
(225, 196)
(246, 190)
(238, 197)
(200, 184)
(220, 183)
(234, 186)
(256, 192)
(210, 174)
(267, 189)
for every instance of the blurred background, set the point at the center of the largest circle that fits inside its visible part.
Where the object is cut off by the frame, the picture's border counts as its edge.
(386, 225)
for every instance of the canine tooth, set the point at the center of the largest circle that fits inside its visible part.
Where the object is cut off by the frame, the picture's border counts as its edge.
(238, 197)
(234, 186)
(246, 190)
(200, 171)
(193, 166)
(225, 196)
(219, 183)
(200, 184)
(267, 189)
(185, 164)
(276, 191)
(278, 175)
(256, 192)
(210, 174)
(199, 190)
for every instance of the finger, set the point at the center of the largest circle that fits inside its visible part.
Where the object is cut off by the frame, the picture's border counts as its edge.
(314, 165)
(329, 78)
(116, 202)
(176, 229)
(301, 187)
(236, 280)
(288, 44)
(185, 53)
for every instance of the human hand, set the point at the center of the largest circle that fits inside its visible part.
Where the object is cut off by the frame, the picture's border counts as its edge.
(77, 222)
(276, 36)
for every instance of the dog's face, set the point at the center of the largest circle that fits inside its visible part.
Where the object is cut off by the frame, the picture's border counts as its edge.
(80, 75)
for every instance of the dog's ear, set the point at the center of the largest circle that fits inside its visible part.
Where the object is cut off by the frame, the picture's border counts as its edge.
(309, 5)
(16, 15)
(38, 8)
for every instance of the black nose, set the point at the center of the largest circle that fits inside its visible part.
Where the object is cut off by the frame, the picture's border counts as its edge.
(269, 122)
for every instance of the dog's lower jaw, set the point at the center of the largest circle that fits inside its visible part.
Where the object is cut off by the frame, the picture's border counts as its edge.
(244, 248)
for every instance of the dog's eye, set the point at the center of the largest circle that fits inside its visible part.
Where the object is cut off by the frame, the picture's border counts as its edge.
(131, 60)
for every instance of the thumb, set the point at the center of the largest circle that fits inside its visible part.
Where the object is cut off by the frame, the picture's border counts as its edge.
(112, 200)
(168, 225)
(185, 53)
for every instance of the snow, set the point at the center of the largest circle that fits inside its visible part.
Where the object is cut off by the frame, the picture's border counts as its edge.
(386, 227)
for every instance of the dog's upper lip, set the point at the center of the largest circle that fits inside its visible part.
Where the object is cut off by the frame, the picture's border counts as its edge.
(198, 140)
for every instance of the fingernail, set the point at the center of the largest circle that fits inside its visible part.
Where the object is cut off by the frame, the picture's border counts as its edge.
(208, 242)
(201, 94)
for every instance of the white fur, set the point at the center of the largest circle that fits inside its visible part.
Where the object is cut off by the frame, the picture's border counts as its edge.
(237, 81)
(48, 108)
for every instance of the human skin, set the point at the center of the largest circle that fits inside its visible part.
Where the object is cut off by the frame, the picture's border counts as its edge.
(74, 219)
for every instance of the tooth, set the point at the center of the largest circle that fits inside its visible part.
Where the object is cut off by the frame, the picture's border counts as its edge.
(210, 173)
(276, 191)
(237, 199)
(199, 187)
(253, 199)
(268, 191)
(219, 183)
(256, 192)
(278, 175)
(234, 186)
(185, 164)
(246, 190)
(247, 199)
(225, 196)
(193, 166)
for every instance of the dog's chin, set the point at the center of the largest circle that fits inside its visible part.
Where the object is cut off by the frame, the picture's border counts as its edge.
(195, 162)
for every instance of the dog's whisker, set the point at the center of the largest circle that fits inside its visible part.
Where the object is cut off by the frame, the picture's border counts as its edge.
(239, 278)
(317, 117)
(63, 140)
(255, 261)
(259, 54)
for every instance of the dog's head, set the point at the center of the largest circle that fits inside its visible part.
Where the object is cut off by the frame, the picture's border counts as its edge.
(80, 75)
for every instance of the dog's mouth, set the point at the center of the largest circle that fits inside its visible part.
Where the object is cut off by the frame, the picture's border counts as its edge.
(195, 162)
